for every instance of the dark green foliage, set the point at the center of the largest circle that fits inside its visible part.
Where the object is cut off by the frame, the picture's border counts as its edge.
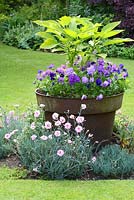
(23, 37)
(112, 161)
(120, 51)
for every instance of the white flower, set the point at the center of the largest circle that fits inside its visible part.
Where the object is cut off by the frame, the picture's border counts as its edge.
(55, 116)
(93, 159)
(57, 123)
(67, 126)
(79, 119)
(36, 113)
(50, 136)
(42, 105)
(57, 133)
(43, 137)
(83, 106)
(78, 129)
(69, 141)
(60, 152)
(33, 137)
(48, 125)
(14, 131)
(90, 135)
(32, 126)
(72, 117)
(7, 136)
(35, 169)
(62, 120)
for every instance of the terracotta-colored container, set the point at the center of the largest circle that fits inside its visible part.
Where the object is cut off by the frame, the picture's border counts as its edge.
(99, 115)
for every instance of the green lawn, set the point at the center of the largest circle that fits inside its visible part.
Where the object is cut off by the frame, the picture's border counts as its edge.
(66, 190)
(19, 67)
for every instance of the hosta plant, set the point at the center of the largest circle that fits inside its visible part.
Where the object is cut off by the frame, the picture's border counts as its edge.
(78, 36)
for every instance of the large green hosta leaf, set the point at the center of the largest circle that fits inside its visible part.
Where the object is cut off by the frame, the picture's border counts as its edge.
(110, 26)
(116, 41)
(49, 44)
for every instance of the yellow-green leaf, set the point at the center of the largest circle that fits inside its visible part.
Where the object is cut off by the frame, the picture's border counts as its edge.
(65, 20)
(49, 44)
(110, 26)
(117, 41)
(70, 33)
(110, 33)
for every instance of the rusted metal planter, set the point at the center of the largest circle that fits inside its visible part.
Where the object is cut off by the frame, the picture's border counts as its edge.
(99, 115)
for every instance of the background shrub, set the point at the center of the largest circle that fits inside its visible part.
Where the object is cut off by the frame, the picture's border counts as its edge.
(112, 161)
(23, 37)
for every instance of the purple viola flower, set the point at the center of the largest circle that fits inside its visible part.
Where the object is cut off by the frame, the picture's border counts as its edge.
(69, 71)
(51, 66)
(121, 66)
(73, 78)
(52, 75)
(43, 74)
(124, 70)
(91, 70)
(84, 79)
(100, 68)
(105, 84)
(114, 68)
(39, 77)
(106, 73)
(88, 64)
(99, 97)
(125, 75)
(60, 70)
(48, 71)
(110, 81)
(78, 60)
(98, 81)
(91, 80)
(61, 80)
(40, 71)
(63, 66)
(101, 61)
(83, 68)
(84, 97)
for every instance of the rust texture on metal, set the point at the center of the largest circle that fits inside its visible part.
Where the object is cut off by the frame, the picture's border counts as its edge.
(99, 115)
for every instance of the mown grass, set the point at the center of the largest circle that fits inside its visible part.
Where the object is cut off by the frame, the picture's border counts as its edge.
(66, 190)
(18, 69)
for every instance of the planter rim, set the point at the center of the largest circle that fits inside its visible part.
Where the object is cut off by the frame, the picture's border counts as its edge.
(37, 91)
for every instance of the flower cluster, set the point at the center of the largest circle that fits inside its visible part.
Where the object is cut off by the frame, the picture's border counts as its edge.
(94, 80)
(59, 148)
(61, 127)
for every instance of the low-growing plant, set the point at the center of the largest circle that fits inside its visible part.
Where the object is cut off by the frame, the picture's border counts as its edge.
(113, 161)
(124, 131)
(11, 125)
(55, 150)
